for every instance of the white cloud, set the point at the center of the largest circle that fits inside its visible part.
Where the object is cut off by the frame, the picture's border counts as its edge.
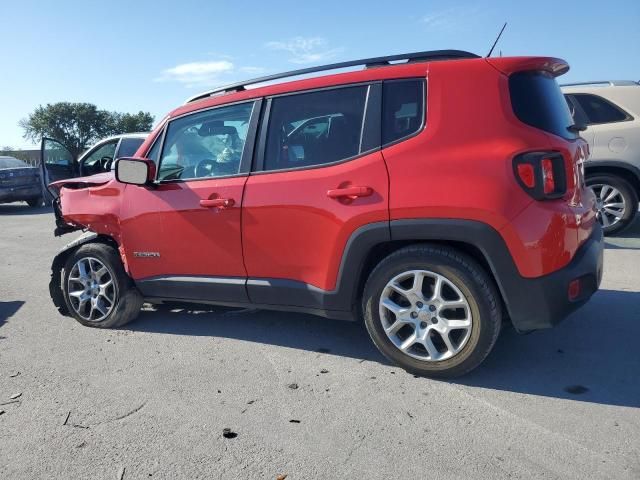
(206, 73)
(448, 18)
(305, 49)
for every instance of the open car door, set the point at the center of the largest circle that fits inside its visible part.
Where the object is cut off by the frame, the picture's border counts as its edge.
(56, 163)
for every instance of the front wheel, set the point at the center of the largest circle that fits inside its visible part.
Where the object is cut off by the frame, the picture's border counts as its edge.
(97, 290)
(432, 310)
(616, 201)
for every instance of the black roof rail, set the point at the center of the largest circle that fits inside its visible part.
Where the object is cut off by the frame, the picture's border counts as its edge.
(367, 62)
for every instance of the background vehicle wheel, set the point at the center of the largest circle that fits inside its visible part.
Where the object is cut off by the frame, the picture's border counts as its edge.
(432, 310)
(35, 202)
(617, 202)
(97, 290)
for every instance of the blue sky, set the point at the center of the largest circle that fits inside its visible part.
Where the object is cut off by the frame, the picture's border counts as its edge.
(144, 55)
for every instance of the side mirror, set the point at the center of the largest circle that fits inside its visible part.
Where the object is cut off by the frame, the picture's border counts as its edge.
(136, 171)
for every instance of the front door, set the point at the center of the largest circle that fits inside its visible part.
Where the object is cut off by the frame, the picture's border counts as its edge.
(56, 163)
(182, 237)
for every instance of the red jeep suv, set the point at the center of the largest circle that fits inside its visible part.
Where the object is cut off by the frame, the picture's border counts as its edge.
(434, 194)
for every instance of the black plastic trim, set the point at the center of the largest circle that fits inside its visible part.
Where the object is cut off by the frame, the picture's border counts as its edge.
(532, 303)
(589, 164)
(278, 294)
(227, 289)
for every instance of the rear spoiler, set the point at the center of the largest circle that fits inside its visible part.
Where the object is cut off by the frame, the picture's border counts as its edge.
(509, 65)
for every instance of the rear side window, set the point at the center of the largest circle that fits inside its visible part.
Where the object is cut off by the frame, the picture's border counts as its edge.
(598, 110)
(315, 128)
(402, 109)
(537, 101)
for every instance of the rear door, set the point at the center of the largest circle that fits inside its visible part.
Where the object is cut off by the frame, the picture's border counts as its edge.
(320, 175)
(56, 163)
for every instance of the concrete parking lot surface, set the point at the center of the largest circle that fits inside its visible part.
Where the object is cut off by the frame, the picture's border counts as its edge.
(305, 397)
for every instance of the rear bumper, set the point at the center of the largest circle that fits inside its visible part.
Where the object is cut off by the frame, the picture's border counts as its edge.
(536, 303)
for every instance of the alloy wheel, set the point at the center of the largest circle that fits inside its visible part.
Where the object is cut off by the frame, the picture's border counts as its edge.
(425, 315)
(91, 289)
(610, 203)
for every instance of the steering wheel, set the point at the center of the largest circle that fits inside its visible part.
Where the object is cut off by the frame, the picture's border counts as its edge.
(204, 168)
(105, 163)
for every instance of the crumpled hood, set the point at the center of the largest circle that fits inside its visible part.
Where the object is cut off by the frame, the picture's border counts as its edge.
(83, 182)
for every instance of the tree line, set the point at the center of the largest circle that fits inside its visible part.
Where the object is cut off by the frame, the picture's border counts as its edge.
(79, 125)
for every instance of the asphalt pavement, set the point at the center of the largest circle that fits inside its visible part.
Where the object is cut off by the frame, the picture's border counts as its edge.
(254, 394)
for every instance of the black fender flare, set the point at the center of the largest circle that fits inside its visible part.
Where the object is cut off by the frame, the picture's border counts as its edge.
(55, 283)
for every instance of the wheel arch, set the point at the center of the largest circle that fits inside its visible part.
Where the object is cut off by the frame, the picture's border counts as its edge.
(361, 256)
(57, 265)
(628, 172)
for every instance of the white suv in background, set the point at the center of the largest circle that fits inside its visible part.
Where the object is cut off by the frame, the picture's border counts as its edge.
(611, 112)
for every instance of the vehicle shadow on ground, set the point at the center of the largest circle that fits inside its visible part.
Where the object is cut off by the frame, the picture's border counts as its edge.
(22, 209)
(592, 356)
(9, 309)
(285, 329)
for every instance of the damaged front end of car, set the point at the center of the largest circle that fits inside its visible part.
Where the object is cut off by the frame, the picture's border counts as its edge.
(88, 204)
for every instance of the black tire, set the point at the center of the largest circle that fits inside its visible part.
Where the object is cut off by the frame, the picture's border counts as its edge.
(128, 299)
(35, 202)
(628, 193)
(472, 281)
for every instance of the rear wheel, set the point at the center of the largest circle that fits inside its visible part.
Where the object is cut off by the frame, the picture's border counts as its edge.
(97, 290)
(432, 310)
(616, 201)
(35, 202)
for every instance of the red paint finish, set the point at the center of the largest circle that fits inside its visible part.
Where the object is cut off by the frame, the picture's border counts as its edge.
(191, 239)
(293, 229)
(295, 224)
(461, 166)
(96, 207)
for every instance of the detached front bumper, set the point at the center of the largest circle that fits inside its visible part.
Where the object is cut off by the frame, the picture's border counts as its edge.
(543, 302)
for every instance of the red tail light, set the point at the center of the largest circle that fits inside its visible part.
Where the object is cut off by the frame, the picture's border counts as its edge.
(541, 174)
(548, 181)
(527, 174)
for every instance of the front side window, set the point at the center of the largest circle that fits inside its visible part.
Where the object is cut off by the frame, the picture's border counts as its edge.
(402, 109)
(205, 144)
(315, 128)
(102, 154)
(598, 110)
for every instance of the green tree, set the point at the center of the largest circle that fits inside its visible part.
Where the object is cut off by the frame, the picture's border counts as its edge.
(78, 125)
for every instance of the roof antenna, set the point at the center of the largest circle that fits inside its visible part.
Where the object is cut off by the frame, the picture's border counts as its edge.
(496, 42)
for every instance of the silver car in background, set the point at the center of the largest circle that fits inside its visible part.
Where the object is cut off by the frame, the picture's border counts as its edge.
(610, 110)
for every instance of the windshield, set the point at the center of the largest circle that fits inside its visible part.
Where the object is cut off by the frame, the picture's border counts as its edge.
(10, 162)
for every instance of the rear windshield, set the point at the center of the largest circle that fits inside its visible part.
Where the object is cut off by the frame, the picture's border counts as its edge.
(10, 162)
(537, 101)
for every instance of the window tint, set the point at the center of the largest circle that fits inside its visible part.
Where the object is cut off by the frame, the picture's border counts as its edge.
(537, 101)
(10, 162)
(129, 146)
(315, 128)
(578, 115)
(206, 144)
(402, 109)
(599, 110)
